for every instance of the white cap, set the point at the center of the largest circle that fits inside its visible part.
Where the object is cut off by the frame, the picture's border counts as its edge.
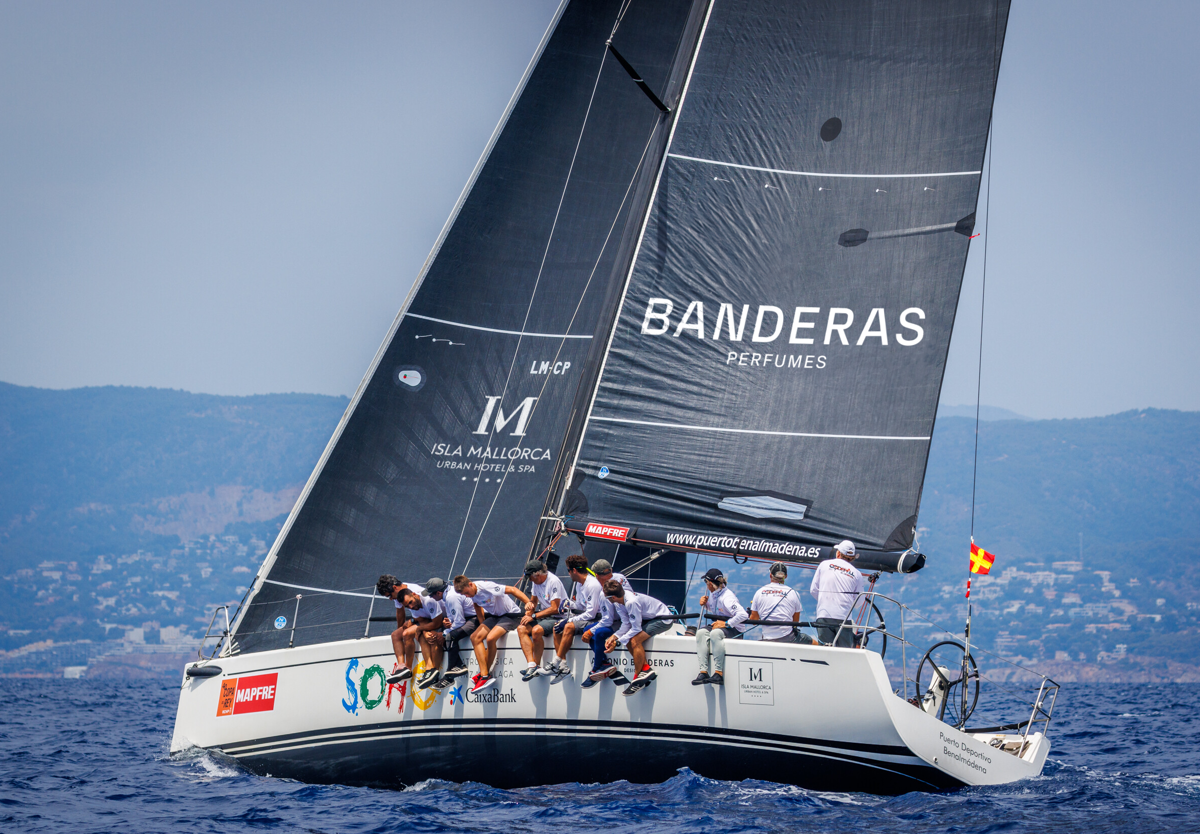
(846, 548)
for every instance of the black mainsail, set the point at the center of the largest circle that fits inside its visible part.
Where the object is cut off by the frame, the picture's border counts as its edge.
(771, 380)
(442, 462)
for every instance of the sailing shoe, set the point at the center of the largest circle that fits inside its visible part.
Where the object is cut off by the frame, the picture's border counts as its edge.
(716, 679)
(588, 682)
(646, 676)
(482, 683)
(546, 670)
(561, 673)
(700, 679)
(456, 672)
(530, 673)
(602, 672)
(429, 678)
(635, 687)
(619, 679)
(399, 673)
(444, 684)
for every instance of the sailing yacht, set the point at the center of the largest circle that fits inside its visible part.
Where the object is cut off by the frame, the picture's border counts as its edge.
(695, 300)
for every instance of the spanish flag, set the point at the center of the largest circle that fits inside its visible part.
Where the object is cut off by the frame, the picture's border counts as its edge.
(981, 560)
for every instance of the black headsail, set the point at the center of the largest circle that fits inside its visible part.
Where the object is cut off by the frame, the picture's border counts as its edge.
(443, 460)
(772, 378)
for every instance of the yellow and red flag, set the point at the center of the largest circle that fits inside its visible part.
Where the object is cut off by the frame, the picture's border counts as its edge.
(981, 560)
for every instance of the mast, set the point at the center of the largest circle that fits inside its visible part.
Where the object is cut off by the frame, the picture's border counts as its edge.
(647, 183)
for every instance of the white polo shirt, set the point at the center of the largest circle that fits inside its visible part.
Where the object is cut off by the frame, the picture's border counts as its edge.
(836, 586)
(775, 602)
(490, 596)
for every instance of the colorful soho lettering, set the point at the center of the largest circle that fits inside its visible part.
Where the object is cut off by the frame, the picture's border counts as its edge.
(373, 678)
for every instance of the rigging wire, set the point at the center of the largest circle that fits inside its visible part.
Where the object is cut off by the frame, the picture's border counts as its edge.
(533, 295)
(982, 305)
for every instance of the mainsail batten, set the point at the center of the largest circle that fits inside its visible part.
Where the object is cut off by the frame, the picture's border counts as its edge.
(760, 349)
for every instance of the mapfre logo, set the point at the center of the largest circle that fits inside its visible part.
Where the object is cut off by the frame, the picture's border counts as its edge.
(603, 531)
(255, 693)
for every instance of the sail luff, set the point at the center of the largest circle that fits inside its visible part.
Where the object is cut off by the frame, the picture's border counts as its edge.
(269, 561)
(588, 384)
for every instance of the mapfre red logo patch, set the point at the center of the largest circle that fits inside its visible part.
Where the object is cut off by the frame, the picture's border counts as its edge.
(603, 531)
(255, 693)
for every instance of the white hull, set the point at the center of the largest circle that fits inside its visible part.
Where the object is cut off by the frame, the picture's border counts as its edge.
(819, 717)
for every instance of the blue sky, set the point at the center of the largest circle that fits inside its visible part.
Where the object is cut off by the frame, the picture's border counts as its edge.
(235, 198)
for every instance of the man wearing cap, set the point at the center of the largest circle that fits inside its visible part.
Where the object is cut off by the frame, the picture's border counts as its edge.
(546, 606)
(836, 587)
(427, 616)
(598, 635)
(728, 622)
(777, 602)
(453, 627)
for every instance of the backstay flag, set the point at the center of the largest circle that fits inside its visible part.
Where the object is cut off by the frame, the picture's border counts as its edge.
(981, 560)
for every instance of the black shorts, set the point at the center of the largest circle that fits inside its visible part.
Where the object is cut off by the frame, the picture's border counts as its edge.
(548, 624)
(508, 622)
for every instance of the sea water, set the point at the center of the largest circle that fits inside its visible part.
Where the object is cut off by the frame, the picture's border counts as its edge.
(83, 756)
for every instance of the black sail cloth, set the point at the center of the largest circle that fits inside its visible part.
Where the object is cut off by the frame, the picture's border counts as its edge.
(776, 362)
(443, 463)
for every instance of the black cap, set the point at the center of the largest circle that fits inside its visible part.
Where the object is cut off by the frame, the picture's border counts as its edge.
(714, 576)
(778, 569)
(534, 566)
(435, 586)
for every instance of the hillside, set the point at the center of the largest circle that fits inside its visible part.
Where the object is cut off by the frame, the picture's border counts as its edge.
(131, 512)
(107, 492)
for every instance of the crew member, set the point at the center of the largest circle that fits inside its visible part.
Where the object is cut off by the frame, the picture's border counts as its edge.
(497, 614)
(391, 587)
(427, 616)
(836, 587)
(729, 620)
(546, 606)
(587, 599)
(455, 626)
(597, 636)
(642, 616)
(777, 602)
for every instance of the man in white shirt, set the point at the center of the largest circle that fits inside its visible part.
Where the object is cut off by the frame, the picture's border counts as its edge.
(598, 634)
(728, 618)
(776, 602)
(587, 600)
(427, 615)
(546, 606)
(642, 616)
(497, 614)
(390, 587)
(836, 587)
(455, 626)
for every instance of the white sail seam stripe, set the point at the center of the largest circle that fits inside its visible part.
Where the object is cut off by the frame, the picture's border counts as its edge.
(819, 174)
(756, 431)
(316, 590)
(495, 330)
